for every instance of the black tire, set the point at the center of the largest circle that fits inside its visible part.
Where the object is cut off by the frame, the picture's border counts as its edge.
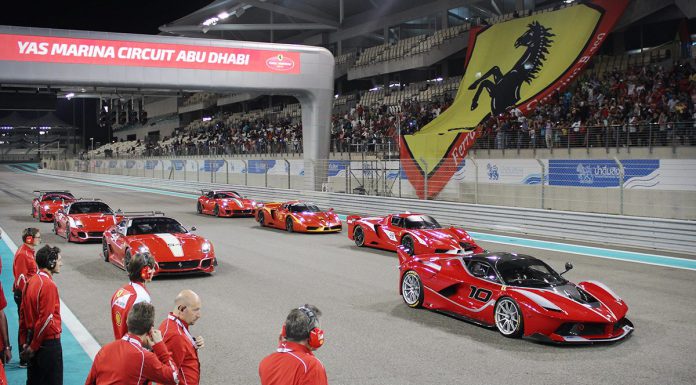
(105, 250)
(359, 236)
(126, 260)
(216, 211)
(261, 219)
(289, 225)
(508, 318)
(412, 289)
(199, 208)
(407, 242)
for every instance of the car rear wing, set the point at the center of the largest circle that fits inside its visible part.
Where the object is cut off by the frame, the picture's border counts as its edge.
(42, 192)
(131, 214)
(205, 192)
(88, 199)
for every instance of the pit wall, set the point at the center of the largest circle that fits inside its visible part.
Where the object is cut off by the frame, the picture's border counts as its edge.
(661, 188)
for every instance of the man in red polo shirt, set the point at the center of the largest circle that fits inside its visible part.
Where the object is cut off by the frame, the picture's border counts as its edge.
(141, 269)
(39, 322)
(183, 346)
(128, 360)
(24, 267)
(293, 362)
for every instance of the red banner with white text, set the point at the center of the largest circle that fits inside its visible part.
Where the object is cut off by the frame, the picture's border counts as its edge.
(29, 48)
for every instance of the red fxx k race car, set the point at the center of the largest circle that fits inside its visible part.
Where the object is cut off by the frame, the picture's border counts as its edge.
(225, 203)
(418, 233)
(518, 294)
(47, 202)
(84, 220)
(298, 216)
(175, 249)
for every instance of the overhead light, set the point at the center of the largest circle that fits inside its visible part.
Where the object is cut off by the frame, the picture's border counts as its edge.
(70, 95)
(223, 15)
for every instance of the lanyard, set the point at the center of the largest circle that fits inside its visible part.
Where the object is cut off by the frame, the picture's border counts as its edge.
(181, 325)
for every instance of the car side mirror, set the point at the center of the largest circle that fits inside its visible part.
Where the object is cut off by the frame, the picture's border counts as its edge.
(568, 267)
(193, 228)
(330, 208)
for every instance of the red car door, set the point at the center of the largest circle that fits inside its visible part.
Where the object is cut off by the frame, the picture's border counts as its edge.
(391, 229)
(483, 290)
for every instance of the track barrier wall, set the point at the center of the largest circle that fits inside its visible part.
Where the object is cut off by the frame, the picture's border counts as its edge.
(618, 230)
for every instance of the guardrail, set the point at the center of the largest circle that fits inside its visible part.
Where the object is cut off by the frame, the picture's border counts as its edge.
(653, 233)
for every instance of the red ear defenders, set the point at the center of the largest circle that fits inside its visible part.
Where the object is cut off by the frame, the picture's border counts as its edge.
(316, 335)
(29, 237)
(147, 273)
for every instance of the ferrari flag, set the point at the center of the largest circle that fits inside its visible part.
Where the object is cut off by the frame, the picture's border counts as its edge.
(515, 64)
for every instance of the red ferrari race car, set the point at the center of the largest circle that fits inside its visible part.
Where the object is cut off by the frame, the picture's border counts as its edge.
(417, 232)
(47, 202)
(518, 294)
(225, 203)
(175, 249)
(298, 216)
(84, 220)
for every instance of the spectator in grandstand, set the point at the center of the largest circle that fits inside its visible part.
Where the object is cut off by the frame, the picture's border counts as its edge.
(141, 269)
(294, 363)
(182, 345)
(23, 268)
(40, 323)
(128, 360)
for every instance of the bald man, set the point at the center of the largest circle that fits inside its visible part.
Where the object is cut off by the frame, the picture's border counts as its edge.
(175, 334)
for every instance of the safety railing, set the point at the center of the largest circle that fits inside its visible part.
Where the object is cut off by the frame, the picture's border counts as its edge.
(640, 187)
(633, 231)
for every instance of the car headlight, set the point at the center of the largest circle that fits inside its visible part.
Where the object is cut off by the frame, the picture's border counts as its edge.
(78, 223)
(46, 207)
(143, 249)
(205, 247)
(224, 203)
(253, 203)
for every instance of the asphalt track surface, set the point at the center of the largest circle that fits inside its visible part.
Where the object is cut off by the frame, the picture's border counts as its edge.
(372, 336)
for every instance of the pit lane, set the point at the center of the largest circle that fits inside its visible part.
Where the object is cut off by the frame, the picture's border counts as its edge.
(372, 336)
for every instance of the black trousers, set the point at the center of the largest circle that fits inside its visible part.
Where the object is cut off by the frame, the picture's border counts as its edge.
(46, 367)
(18, 301)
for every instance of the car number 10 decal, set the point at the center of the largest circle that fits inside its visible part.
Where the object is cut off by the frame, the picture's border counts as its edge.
(480, 294)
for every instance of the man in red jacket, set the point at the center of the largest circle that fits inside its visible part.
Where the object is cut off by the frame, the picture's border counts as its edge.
(127, 360)
(182, 345)
(24, 267)
(293, 362)
(39, 322)
(141, 269)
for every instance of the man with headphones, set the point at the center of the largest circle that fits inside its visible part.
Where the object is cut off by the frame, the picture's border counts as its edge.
(293, 362)
(128, 360)
(24, 267)
(141, 269)
(40, 322)
(183, 346)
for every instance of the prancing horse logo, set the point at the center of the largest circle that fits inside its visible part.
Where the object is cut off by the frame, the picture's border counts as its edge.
(504, 90)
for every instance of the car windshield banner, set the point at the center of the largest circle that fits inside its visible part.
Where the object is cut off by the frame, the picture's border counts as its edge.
(515, 64)
(47, 49)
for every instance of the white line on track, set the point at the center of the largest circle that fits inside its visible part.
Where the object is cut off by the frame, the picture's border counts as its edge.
(78, 330)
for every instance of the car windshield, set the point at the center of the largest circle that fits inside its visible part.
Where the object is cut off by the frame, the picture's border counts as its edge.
(227, 194)
(529, 272)
(57, 197)
(302, 208)
(155, 226)
(422, 222)
(90, 208)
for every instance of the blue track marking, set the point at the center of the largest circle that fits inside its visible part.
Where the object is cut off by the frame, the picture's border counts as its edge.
(627, 256)
(76, 362)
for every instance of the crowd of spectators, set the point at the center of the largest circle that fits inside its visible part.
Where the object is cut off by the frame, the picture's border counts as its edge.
(641, 106)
